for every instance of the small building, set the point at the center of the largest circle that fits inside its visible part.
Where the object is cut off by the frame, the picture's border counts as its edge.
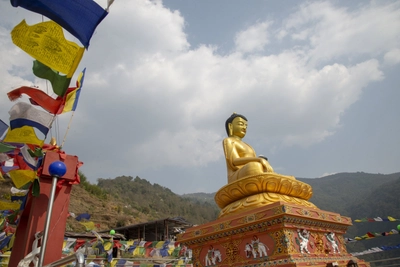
(163, 229)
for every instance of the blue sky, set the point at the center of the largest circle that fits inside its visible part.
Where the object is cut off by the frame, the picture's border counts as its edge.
(318, 81)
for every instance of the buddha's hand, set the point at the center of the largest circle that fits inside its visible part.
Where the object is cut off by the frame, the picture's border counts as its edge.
(267, 167)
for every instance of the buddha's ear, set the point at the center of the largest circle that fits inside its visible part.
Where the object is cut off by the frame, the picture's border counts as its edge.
(230, 129)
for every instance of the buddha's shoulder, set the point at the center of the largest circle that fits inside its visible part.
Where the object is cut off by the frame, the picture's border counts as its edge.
(232, 140)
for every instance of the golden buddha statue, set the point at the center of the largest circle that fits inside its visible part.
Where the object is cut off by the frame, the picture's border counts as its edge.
(241, 159)
(252, 181)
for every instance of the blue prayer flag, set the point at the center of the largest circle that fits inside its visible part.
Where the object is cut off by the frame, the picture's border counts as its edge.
(79, 17)
(83, 216)
(3, 127)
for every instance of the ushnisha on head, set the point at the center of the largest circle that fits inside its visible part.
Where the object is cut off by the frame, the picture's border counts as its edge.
(236, 125)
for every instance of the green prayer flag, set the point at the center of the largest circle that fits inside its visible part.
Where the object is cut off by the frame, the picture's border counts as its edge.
(59, 82)
(5, 147)
(36, 187)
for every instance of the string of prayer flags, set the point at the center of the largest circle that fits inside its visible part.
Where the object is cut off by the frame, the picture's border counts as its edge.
(24, 114)
(59, 82)
(375, 250)
(370, 235)
(78, 17)
(377, 219)
(46, 43)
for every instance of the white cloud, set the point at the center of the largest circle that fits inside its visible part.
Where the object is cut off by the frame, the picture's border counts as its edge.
(253, 39)
(333, 32)
(149, 100)
(392, 57)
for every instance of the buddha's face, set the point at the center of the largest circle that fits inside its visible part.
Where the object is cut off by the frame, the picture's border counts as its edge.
(238, 127)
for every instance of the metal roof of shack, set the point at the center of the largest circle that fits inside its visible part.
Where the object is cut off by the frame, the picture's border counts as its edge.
(154, 230)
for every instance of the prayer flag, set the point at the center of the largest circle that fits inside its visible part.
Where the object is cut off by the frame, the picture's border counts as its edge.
(18, 192)
(79, 17)
(110, 255)
(6, 148)
(4, 242)
(45, 42)
(23, 135)
(22, 177)
(108, 245)
(392, 219)
(72, 98)
(3, 128)
(84, 216)
(24, 114)
(88, 225)
(370, 235)
(28, 158)
(6, 169)
(8, 205)
(59, 82)
(37, 96)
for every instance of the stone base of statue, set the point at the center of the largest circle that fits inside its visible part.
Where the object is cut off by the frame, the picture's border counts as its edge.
(282, 234)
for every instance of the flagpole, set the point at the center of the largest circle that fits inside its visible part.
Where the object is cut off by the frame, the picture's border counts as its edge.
(56, 169)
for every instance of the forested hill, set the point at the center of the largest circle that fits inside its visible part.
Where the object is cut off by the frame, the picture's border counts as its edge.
(345, 193)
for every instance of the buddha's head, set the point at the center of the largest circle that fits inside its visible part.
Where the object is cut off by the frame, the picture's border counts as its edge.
(236, 125)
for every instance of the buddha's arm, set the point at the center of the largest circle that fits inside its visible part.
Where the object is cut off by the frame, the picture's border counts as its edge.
(235, 161)
(243, 161)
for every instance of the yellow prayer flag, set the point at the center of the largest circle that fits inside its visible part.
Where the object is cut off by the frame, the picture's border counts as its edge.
(107, 245)
(357, 220)
(160, 244)
(11, 243)
(89, 225)
(22, 177)
(136, 251)
(45, 42)
(392, 219)
(170, 249)
(114, 262)
(8, 205)
(23, 135)
(1, 177)
(6, 258)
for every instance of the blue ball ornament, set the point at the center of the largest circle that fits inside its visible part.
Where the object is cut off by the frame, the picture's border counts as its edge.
(57, 168)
